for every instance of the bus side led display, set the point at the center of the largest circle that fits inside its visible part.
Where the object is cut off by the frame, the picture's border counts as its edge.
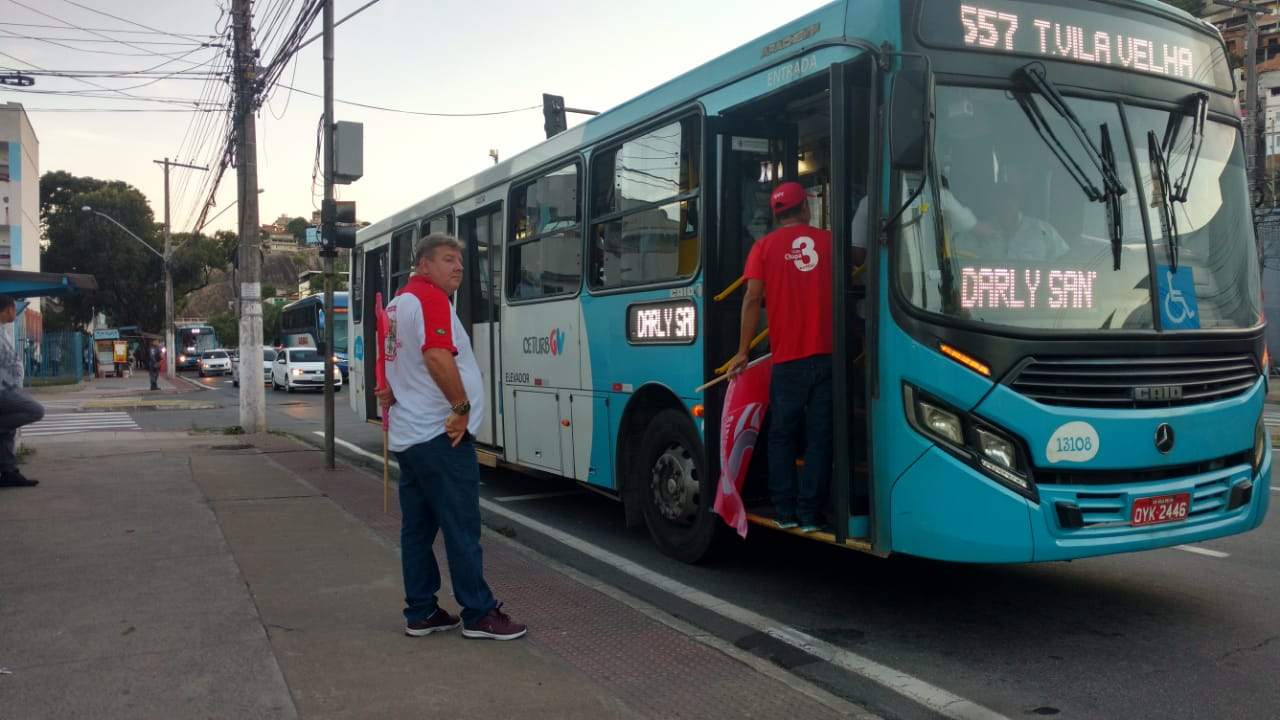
(671, 322)
(1078, 34)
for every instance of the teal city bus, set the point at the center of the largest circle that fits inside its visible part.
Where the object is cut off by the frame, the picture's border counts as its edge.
(1049, 348)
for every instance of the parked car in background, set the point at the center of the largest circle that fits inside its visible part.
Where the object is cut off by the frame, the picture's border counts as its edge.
(301, 368)
(268, 358)
(214, 362)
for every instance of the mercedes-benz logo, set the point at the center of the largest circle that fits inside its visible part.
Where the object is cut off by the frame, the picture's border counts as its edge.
(1164, 438)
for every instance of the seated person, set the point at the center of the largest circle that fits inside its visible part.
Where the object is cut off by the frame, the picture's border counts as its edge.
(1010, 234)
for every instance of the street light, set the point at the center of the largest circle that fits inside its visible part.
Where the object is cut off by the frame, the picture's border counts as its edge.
(169, 366)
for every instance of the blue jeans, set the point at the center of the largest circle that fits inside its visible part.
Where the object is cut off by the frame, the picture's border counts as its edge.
(800, 401)
(440, 491)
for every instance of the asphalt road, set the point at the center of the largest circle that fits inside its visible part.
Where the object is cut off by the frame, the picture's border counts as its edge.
(1166, 634)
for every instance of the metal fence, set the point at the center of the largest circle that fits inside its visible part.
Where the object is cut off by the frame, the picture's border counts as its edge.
(55, 357)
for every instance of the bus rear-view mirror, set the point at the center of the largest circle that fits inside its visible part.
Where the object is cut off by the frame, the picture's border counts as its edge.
(911, 115)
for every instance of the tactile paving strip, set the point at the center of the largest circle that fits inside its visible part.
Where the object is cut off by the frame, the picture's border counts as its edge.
(656, 670)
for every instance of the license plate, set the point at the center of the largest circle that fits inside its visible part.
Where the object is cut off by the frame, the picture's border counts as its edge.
(1160, 509)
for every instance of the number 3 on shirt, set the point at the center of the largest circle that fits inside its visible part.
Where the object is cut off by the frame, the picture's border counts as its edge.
(803, 254)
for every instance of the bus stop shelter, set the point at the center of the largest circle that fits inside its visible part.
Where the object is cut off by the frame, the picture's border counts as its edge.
(49, 357)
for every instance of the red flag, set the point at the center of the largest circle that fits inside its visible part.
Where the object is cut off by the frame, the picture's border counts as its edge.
(744, 407)
(383, 329)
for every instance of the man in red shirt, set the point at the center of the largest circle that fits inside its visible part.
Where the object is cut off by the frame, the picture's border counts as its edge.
(790, 269)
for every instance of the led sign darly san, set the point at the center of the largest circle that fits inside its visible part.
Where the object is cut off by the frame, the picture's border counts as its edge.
(1026, 289)
(671, 322)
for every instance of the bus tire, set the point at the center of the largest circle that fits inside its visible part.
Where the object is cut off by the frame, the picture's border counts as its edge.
(676, 488)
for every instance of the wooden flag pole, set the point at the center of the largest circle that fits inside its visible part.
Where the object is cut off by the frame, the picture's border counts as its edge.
(726, 376)
(386, 476)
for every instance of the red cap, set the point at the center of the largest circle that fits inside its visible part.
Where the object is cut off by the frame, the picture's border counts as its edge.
(786, 196)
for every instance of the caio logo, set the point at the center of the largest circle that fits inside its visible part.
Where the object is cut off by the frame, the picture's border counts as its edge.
(550, 344)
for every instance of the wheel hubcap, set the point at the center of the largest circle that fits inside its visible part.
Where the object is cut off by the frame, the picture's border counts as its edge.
(675, 484)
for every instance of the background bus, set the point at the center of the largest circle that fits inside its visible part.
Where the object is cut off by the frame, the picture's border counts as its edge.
(193, 339)
(1049, 349)
(302, 325)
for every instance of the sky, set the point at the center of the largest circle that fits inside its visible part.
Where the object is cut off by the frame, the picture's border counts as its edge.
(442, 56)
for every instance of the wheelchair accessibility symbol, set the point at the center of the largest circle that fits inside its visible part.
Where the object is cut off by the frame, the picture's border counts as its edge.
(1178, 307)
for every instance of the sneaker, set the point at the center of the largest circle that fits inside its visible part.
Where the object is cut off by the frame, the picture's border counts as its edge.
(786, 524)
(497, 625)
(439, 621)
(16, 479)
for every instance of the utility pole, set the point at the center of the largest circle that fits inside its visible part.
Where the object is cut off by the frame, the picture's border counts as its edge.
(253, 412)
(1255, 140)
(327, 247)
(170, 365)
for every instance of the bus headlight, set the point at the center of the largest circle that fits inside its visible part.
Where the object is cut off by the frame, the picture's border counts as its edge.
(996, 448)
(976, 441)
(1261, 443)
(942, 423)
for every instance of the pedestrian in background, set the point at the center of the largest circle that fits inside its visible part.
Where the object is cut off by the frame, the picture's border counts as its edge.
(16, 407)
(435, 397)
(155, 361)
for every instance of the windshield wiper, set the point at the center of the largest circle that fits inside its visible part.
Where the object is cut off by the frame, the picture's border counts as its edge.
(1035, 76)
(1199, 115)
(1115, 212)
(1103, 159)
(1160, 176)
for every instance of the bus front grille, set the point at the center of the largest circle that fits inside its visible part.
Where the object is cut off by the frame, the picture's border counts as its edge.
(1135, 382)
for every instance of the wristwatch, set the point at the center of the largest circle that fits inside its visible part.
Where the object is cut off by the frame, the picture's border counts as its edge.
(462, 408)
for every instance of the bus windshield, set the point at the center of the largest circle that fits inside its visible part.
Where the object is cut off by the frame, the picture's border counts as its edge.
(1024, 246)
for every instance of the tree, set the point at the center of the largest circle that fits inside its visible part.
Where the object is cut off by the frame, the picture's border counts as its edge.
(1195, 7)
(129, 276)
(297, 227)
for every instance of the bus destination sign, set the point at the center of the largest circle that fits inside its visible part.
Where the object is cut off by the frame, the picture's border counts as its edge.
(1078, 34)
(668, 322)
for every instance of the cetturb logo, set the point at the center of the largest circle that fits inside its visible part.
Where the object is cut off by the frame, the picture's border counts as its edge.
(551, 344)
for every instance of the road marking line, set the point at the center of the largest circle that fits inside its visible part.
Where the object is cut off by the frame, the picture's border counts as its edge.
(538, 496)
(935, 698)
(1201, 551)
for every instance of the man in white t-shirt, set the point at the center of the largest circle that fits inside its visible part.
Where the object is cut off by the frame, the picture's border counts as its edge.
(436, 403)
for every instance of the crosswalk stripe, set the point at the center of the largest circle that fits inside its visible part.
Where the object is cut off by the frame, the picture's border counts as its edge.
(68, 423)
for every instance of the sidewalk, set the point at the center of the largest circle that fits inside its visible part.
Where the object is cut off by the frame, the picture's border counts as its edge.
(124, 393)
(178, 576)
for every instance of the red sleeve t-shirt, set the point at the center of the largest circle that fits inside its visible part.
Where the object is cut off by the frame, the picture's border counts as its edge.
(793, 262)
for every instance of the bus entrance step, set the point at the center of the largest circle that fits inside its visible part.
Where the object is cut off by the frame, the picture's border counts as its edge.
(822, 536)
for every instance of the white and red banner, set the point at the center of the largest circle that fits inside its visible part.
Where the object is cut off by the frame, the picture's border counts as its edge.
(745, 404)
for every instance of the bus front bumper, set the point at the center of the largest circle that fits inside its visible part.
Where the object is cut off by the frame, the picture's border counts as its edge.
(943, 509)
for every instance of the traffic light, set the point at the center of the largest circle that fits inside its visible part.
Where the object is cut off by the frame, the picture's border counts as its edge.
(553, 115)
(337, 222)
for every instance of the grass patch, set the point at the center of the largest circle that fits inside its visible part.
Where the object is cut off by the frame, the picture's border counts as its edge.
(25, 453)
(233, 430)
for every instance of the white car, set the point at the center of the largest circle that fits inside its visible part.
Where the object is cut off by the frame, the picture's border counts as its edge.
(214, 362)
(297, 368)
(268, 360)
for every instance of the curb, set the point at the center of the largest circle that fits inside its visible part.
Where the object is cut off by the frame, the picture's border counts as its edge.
(498, 525)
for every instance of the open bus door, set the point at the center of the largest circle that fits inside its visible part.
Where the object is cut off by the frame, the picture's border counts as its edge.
(375, 281)
(818, 133)
(480, 307)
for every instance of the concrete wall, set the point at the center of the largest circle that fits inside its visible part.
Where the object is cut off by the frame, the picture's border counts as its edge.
(20, 196)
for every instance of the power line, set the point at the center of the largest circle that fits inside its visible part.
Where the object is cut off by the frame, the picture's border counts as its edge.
(193, 37)
(91, 32)
(416, 112)
(18, 36)
(125, 110)
(123, 20)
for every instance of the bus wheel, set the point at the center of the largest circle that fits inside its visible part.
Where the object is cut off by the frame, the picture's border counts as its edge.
(677, 490)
